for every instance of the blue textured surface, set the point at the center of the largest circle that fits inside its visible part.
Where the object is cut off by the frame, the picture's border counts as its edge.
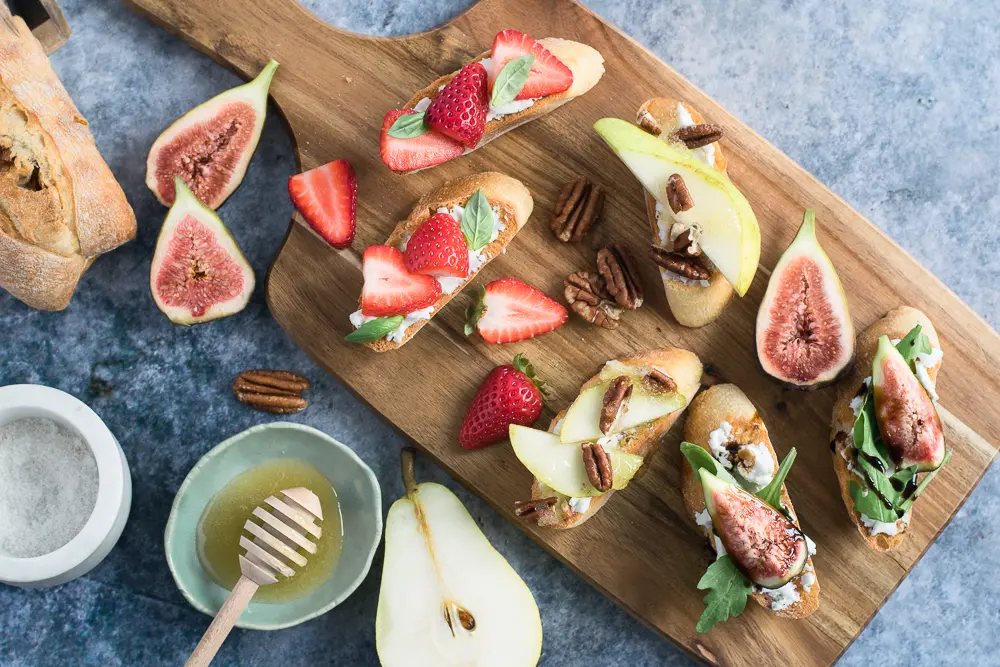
(894, 105)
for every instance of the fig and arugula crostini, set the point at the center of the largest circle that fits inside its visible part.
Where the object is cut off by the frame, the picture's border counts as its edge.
(886, 436)
(734, 490)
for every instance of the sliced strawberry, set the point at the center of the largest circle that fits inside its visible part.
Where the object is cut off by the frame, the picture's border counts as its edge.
(389, 288)
(508, 311)
(459, 110)
(438, 248)
(511, 394)
(327, 197)
(549, 75)
(426, 150)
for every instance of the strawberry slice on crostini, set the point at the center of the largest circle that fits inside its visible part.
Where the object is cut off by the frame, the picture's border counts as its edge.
(548, 76)
(459, 110)
(438, 248)
(418, 152)
(511, 394)
(327, 197)
(390, 289)
(508, 310)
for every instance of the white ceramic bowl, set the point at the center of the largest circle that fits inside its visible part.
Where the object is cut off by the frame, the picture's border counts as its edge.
(114, 494)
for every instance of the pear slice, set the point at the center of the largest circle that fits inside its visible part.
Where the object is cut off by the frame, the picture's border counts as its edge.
(448, 598)
(730, 235)
(559, 466)
(583, 417)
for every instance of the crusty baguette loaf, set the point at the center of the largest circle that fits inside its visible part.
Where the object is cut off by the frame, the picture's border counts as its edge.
(685, 369)
(508, 194)
(584, 61)
(895, 324)
(726, 402)
(692, 304)
(60, 206)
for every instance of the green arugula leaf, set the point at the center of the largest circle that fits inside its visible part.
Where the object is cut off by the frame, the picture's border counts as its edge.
(409, 125)
(908, 503)
(477, 221)
(912, 344)
(729, 592)
(373, 330)
(880, 486)
(699, 458)
(771, 494)
(511, 80)
(869, 504)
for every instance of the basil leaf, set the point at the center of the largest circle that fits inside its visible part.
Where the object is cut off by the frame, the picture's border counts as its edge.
(771, 494)
(373, 330)
(409, 125)
(700, 458)
(511, 80)
(477, 221)
(908, 503)
(912, 344)
(729, 592)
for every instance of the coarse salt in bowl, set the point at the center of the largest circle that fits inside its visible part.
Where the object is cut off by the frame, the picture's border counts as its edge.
(114, 487)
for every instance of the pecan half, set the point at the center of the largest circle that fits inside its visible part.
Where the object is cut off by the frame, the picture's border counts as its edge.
(578, 207)
(689, 267)
(526, 508)
(277, 392)
(275, 404)
(678, 195)
(598, 466)
(657, 380)
(686, 242)
(696, 136)
(649, 124)
(617, 266)
(615, 402)
(283, 380)
(588, 297)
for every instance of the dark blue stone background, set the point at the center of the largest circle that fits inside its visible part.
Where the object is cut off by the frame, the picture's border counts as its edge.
(893, 104)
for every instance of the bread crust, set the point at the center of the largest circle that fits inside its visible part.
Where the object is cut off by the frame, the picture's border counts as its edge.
(727, 402)
(43, 256)
(895, 324)
(584, 61)
(508, 194)
(686, 370)
(692, 305)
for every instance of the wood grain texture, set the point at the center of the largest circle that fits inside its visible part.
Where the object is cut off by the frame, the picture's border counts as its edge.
(46, 20)
(642, 550)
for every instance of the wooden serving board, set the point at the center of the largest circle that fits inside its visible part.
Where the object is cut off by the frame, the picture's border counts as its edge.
(642, 550)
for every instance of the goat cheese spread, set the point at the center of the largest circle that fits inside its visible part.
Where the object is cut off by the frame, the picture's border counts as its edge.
(516, 106)
(856, 404)
(784, 597)
(579, 505)
(706, 153)
(717, 441)
(885, 527)
(761, 471)
(396, 335)
(808, 579)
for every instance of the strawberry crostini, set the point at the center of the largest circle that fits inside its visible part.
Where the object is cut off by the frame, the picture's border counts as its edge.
(452, 233)
(519, 80)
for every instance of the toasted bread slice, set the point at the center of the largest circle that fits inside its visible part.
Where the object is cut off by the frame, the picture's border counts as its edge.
(896, 324)
(512, 203)
(685, 369)
(727, 403)
(584, 61)
(693, 303)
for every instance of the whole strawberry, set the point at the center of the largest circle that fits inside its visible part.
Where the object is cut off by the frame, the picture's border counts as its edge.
(459, 110)
(510, 395)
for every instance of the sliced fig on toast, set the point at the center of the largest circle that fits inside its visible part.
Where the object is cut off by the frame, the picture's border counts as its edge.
(211, 145)
(906, 416)
(768, 548)
(805, 337)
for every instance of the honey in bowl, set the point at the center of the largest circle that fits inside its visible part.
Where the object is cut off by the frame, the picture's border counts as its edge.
(221, 525)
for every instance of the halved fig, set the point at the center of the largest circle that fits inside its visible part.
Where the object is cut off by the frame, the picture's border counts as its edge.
(805, 337)
(211, 145)
(906, 416)
(765, 545)
(198, 272)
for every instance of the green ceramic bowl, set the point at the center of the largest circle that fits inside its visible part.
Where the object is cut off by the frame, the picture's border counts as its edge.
(360, 501)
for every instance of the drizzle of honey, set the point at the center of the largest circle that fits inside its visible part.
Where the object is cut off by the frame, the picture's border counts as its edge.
(221, 525)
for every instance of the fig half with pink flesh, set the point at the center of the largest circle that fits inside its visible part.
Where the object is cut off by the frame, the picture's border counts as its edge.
(211, 145)
(198, 272)
(906, 416)
(805, 337)
(768, 548)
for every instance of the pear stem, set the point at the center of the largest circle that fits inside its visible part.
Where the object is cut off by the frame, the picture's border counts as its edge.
(406, 459)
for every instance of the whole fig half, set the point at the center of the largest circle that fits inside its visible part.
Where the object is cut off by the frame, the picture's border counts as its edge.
(765, 545)
(906, 417)
(210, 146)
(198, 272)
(805, 337)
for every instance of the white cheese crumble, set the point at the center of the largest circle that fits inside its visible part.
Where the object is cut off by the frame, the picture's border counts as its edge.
(808, 579)
(396, 335)
(720, 548)
(885, 527)
(784, 597)
(762, 470)
(922, 363)
(579, 505)
(612, 441)
(717, 441)
(810, 546)
(663, 231)
(422, 105)
(856, 404)
(706, 153)
(703, 519)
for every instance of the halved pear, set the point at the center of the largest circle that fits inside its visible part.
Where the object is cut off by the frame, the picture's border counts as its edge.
(583, 417)
(730, 235)
(448, 598)
(559, 466)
